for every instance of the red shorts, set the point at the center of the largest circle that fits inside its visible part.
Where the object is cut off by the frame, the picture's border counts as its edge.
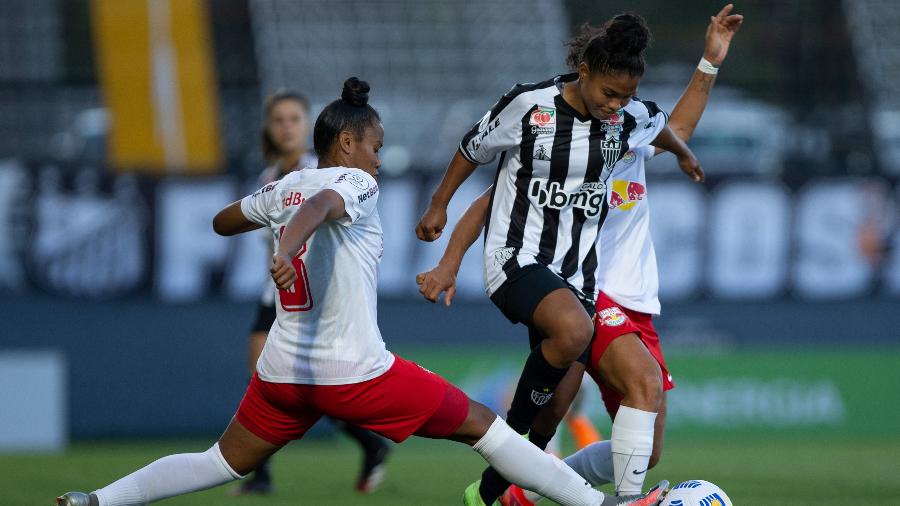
(610, 322)
(405, 400)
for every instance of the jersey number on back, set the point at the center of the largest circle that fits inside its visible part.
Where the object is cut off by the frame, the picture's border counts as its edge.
(298, 297)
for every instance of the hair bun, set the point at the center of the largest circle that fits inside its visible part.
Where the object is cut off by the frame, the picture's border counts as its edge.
(355, 92)
(627, 33)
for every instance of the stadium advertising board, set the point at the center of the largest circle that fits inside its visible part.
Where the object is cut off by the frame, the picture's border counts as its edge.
(88, 234)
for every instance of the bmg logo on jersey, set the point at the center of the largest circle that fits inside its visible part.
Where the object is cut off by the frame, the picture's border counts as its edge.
(588, 197)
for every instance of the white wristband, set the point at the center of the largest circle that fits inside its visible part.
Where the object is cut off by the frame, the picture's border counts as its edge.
(706, 67)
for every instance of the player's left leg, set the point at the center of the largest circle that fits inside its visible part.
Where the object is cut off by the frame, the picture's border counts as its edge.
(524, 464)
(492, 484)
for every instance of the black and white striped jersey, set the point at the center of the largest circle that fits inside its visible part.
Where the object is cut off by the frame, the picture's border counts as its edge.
(549, 198)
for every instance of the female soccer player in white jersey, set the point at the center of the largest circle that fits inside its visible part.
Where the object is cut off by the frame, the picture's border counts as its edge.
(283, 142)
(558, 142)
(325, 355)
(625, 359)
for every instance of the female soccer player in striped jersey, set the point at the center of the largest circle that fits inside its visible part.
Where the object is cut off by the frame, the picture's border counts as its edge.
(283, 142)
(558, 142)
(325, 354)
(626, 360)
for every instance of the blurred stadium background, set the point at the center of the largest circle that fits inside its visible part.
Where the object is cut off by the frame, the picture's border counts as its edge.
(126, 124)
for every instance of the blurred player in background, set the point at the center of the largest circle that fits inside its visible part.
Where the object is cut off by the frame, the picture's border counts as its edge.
(324, 354)
(283, 140)
(627, 278)
(558, 142)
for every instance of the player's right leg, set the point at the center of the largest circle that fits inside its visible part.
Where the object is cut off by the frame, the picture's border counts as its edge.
(524, 464)
(270, 415)
(236, 453)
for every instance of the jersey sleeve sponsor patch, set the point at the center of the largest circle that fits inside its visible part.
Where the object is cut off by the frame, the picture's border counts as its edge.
(501, 127)
(257, 206)
(359, 191)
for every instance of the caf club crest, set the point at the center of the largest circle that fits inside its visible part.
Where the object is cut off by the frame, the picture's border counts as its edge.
(611, 145)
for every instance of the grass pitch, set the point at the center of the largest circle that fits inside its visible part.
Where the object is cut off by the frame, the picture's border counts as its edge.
(753, 472)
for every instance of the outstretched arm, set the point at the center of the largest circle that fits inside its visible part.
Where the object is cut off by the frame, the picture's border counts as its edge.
(431, 226)
(668, 141)
(231, 221)
(443, 277)
(687, 112)
(327, 205)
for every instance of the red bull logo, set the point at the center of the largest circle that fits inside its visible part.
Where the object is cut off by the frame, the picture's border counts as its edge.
(625, 194)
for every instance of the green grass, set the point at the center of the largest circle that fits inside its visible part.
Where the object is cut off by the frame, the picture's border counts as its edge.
(783, 471)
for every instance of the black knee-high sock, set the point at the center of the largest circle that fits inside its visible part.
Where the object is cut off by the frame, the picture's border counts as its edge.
(493, 485)
(536, 385)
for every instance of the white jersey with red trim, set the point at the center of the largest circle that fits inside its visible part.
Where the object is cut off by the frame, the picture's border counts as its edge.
(326, 330)
(271, 174)
(627, 270)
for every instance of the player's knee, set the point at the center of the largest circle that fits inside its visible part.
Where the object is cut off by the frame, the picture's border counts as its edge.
(476, 425)
(573, 337)
(645, 388)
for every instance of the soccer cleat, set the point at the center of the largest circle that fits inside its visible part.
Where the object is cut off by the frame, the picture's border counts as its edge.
(74, 499)
(514, 496)
(251, 487)
(373, 478)
(653, 497)
(373, 470)
(471, 497)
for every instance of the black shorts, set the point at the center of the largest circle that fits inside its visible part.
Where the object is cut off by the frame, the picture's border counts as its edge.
(265, 317)
(520, 294)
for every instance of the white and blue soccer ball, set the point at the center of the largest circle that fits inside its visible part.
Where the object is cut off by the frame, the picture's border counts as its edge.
(696, 493)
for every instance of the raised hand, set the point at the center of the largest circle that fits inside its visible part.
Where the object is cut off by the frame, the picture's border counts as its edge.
(719, 33)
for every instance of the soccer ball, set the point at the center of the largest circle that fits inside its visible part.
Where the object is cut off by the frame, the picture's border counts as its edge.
(696, 493)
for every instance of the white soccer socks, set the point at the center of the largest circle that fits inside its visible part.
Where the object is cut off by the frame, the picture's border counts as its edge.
(593, 463)
(167, 477)
(527, 466)
(632, 445)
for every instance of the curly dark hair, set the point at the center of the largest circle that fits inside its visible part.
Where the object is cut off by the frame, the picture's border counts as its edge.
(617, 46)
